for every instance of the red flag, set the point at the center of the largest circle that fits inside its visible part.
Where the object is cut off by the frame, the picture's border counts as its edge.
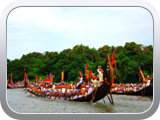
(86, 65)
(11, 76)
(114, 60)
(86, 74)
(11, 81)
(113, 56)
(90, 74)
(115, 66)
(36, 79)
(25, 75)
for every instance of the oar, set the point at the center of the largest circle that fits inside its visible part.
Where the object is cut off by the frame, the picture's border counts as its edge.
(103, 100)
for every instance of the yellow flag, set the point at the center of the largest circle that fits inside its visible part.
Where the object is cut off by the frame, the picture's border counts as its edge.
(62, 78)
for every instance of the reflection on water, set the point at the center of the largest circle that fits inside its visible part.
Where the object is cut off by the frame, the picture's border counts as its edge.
(25, 103)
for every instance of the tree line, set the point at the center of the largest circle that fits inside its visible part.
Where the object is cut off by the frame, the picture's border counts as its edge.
(129, 58)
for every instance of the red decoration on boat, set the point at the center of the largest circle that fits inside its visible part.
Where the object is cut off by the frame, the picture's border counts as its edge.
(47, 80)
(106, 81)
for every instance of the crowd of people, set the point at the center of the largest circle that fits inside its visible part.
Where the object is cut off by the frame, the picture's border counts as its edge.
(76, 90)
(66, 90)
(58, 90)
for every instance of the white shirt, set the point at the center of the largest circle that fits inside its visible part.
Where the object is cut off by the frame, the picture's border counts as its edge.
(44, 89)
(90, 90)
(53, 87)
(99, 83)
(63, 90)
(81, 80)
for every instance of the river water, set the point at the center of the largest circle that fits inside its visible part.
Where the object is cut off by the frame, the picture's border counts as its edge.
(20, 102)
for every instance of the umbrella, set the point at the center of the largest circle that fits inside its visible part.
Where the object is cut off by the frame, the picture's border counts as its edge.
(47, 80)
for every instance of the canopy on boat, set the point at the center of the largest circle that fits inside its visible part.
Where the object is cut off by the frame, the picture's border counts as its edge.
(47, 80)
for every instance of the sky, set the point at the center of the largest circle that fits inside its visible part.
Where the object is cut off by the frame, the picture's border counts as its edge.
(40, 29)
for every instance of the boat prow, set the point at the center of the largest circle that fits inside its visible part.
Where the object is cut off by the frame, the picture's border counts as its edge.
(101, 91)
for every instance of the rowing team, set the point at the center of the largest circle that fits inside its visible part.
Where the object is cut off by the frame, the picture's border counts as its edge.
(127, 88)
(59, 91)
(16, 85)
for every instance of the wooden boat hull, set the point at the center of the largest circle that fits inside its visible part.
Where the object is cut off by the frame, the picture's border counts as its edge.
(9, 87)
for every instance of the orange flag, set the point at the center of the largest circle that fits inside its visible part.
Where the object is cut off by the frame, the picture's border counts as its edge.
(40, 79)
(62, 77)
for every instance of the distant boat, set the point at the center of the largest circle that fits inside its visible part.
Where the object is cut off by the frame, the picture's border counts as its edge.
(146, 91)
(9, 87)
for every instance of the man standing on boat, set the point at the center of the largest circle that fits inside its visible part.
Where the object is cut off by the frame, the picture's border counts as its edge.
(94, 80)
(80, 80)
(100, 75)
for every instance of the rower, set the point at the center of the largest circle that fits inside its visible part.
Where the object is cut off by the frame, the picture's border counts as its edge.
(53, 87)
(90, 89)
(94, 80)
(98, 80)
(80, 79)
(71, 89)
(83, 86)
(148, 79)
(82, 90)
(135, 88)
(100, 73)
(63, 88)
(44, 90)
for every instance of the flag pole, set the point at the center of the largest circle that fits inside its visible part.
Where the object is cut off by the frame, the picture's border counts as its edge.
(11, 79)
(62, 77)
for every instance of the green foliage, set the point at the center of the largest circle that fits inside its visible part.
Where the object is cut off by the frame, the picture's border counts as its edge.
(128, 59)
(16, 67)
(131, 72)
(103, 51)
(72, 75)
